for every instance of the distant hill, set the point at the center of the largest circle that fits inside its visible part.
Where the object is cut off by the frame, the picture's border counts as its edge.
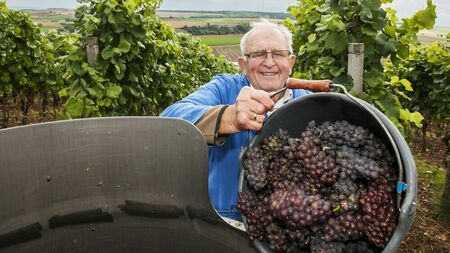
(229, 14)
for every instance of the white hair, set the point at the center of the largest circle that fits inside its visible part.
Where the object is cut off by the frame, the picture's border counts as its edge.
(264, 24)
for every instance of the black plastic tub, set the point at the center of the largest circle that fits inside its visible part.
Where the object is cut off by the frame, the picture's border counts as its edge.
(322, 107)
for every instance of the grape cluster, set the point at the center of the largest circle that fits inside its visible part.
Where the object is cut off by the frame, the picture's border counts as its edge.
(299, 237)
(277, 238)
(312, 186)
(345, 187)
(307, 150)
(273, 145)
(255, 213)
(331, 189)
(345, 157)
(296, 209)
(322, 167)
(345, 195)
(354, 165)
(379, 214)
(255, 167)
(343, 133)
(282, 168)
(344, 227)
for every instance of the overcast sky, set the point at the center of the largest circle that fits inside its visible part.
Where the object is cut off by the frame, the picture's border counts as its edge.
(405, 8)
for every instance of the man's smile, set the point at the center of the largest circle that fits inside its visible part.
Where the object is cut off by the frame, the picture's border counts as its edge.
(268, 73)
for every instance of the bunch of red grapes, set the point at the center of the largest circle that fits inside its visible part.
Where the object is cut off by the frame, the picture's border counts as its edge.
(329, 190)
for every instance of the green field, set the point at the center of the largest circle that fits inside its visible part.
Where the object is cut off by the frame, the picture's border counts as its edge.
(220, 40)
(54, 18)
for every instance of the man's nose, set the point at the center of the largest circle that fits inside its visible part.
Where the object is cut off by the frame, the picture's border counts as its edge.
(269, 60)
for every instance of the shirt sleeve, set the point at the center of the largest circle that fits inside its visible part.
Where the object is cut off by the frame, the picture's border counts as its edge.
(209, 124)
(205, 106)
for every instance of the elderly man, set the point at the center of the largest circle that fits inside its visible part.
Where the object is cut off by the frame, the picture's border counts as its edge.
(230, 104)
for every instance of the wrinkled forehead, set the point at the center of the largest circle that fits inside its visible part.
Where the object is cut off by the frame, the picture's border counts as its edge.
(266, 39)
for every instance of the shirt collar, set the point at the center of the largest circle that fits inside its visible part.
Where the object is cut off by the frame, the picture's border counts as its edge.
(288, 94)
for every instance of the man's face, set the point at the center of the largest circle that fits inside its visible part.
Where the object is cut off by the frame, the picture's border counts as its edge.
(267, 72)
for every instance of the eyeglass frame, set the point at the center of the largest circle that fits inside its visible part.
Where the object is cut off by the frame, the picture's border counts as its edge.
(248, 55)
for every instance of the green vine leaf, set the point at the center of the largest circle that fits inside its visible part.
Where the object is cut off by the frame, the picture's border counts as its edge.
(414, 117)
(107, 52)
(74, 107)
(113, 91)
(406, 84)
(124, 46)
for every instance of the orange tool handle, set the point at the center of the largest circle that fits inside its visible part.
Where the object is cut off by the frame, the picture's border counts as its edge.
(316, 85)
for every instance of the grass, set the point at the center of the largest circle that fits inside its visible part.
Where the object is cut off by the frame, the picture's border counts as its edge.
(436, 176)
(50, 18)
(54, 18)
(431, 172)
(221, 40)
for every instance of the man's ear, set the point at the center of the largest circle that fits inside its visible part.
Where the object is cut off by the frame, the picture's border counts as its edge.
(292, 59)
(242, 63)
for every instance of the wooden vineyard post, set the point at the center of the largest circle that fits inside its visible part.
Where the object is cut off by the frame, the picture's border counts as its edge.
(91, 50)
(356, 65)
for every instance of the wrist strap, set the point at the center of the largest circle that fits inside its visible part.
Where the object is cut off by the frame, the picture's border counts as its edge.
(219, 119)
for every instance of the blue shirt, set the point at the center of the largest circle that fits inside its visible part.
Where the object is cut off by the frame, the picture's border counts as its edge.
(223, 161)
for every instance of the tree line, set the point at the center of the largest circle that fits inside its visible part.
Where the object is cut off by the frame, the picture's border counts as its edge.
(217, 29)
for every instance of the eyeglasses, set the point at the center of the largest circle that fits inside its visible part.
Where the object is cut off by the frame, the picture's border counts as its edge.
(277, 55)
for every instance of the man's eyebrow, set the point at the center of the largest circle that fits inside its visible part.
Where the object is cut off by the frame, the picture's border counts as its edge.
(264, 50)
(258, 51)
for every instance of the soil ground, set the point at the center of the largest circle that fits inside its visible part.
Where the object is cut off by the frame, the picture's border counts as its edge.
(429, 233)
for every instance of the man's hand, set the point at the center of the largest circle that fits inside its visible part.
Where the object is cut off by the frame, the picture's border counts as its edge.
(247, 113)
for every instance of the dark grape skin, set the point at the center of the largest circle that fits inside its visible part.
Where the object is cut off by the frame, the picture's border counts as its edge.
(294, 208)
(255, 168)
(292, 189)
(277, 238)
(347, 226)
(379, 214)
(345, 195)
(317, 164)
(273, 145)
(281, 169)
(255, 213)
